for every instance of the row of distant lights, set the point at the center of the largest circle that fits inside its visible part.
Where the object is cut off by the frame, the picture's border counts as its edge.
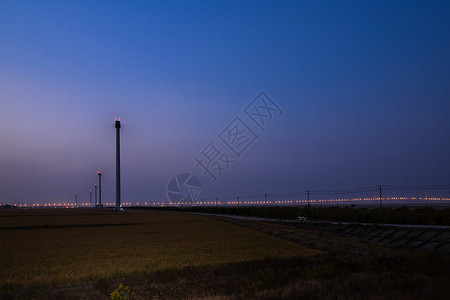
(232, 202)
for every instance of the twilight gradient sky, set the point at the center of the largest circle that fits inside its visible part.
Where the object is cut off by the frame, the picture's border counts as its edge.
(364, 88)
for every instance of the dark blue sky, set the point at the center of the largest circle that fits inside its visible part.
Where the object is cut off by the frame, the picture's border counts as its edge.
(364, 89)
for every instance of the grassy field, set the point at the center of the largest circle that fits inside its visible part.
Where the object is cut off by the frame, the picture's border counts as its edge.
(87, 253)
(355, 269)
(63, 247)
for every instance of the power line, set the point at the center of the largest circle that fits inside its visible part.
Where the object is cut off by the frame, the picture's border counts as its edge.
(347, 191)
(417, 187)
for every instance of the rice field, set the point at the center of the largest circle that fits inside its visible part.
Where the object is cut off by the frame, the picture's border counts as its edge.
(89, 253)
(44, 248)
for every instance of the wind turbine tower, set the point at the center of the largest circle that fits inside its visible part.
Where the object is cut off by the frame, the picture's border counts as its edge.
(117, 126)
(99, 188)
(95, 195)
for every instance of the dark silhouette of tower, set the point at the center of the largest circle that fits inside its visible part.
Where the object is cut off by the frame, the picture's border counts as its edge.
(99, 188)
(380, 188)
(95, 194)
(117, 126)
(90, 197)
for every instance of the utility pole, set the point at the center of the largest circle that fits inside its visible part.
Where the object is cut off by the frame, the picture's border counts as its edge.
(237, 198)
(90, 197)
(308, 210)
(265, 199)
(380, 188)
(95, 195)
(99, 188)
(76, 199)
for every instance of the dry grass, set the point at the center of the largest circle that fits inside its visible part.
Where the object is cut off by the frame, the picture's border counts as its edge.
(356, 269)
(78, 254)
(43, 248)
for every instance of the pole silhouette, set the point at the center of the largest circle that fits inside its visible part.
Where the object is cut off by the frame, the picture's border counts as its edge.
(117, 126)
(380, 188)
(99, 188)
(95, 195)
